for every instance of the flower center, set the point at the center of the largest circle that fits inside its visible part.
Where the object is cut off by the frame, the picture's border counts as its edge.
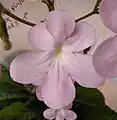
(58, 50)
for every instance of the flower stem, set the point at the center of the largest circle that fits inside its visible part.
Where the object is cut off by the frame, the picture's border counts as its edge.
(50, 4)
(95, 11)
(86, 16)
(5, 11)
(18, 19)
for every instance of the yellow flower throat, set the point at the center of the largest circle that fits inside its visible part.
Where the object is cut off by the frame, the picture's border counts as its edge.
(58, 50)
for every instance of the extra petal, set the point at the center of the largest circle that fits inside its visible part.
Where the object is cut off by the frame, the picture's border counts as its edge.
(60, 24)
(30, 67)
(105, 58)
(40, 38)
(82, 37)
(70, 115)
(81, 69)
(59, 116)
(49, 114)
(58, 90)
(108, 13)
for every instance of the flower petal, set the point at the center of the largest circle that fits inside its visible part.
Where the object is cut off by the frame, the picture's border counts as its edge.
(49, 114)
(40, 38)
(108, 13)
(70, 115)
(58, 90)
(59, 116)
(39, 94)
(105, 58)
(82, 71)
(60, 24)
(68, 106)
(30, 67)
(82, 37)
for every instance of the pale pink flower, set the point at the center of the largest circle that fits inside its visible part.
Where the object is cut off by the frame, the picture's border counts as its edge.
(59, 60)
(108, 13)
(60, 114)
(105, 56)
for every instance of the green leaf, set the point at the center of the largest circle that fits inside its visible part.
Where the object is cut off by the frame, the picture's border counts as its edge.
(26, 116)
(13, 95)
(85, 112)
(92, 113)
(5, 74)
(16, 111)
(89, 96)
(89, 104)
(109, 114)
(6, 83)
(10, 91)
(11, 111)
(37, 107)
